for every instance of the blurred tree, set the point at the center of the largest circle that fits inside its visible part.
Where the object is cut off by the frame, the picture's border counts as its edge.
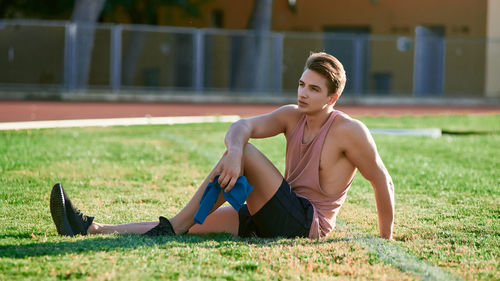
(251, 54)
(85, 15)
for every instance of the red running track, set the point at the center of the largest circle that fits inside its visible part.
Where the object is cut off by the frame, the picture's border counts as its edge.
(12, 111)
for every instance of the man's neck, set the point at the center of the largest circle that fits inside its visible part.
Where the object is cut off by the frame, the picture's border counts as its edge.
(314, 121)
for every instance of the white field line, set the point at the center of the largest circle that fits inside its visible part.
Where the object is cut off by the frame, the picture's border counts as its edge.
(432, 132)
(116, 122)
(396, 256)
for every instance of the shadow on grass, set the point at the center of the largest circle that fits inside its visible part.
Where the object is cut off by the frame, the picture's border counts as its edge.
(119, 242)
(469, 133)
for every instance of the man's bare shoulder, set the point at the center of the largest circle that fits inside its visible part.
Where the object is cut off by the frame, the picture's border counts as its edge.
(350, 128)
(289, 112)
(289, 109)
(282, 112)
(289, 115)
(280, 120)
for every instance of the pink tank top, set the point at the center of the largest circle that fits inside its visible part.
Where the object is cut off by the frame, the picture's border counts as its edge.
(302, 173)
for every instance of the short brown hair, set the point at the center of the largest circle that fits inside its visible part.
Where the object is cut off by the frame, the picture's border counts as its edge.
(330, 68)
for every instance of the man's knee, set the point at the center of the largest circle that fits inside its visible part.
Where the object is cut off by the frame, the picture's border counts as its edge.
(254, 161)
(250, 149)
(262, 175)
(251, 154)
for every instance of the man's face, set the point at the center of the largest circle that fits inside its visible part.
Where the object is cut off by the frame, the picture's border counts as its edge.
(312, 92)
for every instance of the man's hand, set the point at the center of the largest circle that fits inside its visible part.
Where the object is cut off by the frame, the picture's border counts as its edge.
(229, 168)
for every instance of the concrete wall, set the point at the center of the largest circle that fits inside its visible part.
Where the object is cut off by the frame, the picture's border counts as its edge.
(387, 59)
(465, 68)
(31, 55)
(493, 49)
(35, 55)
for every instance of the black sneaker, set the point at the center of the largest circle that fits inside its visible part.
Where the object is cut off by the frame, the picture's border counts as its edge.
(164, 228)
(69, 220)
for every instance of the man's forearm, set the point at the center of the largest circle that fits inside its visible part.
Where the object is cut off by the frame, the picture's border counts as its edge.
(384, 195)
(237, 136)
(230, 166)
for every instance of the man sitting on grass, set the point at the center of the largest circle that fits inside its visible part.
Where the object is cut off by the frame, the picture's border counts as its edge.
(324, 149)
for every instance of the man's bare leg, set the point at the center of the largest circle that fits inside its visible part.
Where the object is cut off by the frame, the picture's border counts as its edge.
(260, 173)
(130, 228)
(184, 220)
(223, 219)
(181, 222)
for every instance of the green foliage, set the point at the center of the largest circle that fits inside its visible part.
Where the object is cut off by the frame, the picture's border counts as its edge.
(44, 9)
(447, 202)
(140, 11)
(145, 11)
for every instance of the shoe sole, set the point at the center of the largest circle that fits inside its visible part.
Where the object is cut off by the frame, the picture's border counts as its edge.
(58, 211)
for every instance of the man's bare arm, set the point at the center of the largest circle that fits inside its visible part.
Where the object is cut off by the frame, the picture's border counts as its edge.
(384, 196)
(362, 152)
(237, 136)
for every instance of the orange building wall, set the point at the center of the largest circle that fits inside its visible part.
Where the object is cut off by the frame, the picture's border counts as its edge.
(389, 16)
(460, 17)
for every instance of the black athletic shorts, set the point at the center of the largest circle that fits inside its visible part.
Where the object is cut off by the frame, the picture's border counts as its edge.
(284, 215)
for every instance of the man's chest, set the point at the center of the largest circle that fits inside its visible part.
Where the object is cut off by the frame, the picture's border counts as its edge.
(331, 153)
(335, 170)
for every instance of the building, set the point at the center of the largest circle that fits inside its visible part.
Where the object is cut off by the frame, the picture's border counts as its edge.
(470, 58)
(447, 48)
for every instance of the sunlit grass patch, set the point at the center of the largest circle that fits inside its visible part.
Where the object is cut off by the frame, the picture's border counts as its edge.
(210, 257)
(447, 202)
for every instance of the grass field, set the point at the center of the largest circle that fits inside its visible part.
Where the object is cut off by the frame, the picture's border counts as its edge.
(447, 223)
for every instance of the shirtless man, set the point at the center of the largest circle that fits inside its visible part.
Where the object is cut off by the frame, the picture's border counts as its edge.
(324, 149)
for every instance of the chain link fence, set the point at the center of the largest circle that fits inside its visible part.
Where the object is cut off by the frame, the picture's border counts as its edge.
(65, 57)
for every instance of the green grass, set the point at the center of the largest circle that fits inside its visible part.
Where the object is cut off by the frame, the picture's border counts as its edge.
(447, 204)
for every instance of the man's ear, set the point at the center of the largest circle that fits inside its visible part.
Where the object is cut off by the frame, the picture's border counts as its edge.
(333, 98)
